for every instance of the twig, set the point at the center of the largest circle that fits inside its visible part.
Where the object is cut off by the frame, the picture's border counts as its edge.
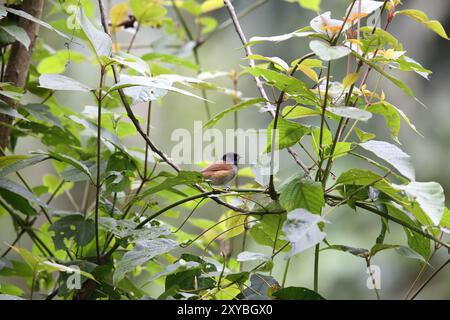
(430, 278)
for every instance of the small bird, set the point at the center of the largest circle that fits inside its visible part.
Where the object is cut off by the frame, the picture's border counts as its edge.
(222, 171)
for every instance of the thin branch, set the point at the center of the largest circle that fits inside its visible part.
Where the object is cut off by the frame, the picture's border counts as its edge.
(394, 219)
(435, 273)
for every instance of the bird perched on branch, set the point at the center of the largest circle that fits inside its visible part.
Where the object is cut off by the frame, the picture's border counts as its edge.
(222, 171)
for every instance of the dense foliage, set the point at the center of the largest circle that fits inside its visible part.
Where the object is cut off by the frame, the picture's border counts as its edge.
(128, 232)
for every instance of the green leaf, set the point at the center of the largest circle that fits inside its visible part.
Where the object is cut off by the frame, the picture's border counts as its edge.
(360, 177)
(252, 256)
(28, 16)
(147, 12)
(296, 112)
(154, 83)
(326, 52)
(261, 287)
(351, 113)
(141, 253)
(389, 112)
(445, 221)
(43, 113)
(99, 40)
(423, 19)
(364, 136)
(57, 62)
(288, 133)
(127, 228)
(132, 62)
(300, 192)
(350, 79)
(210, 5)
(74, 227)
(69, 160)
(60, 82)
(280, 38)
(310, 4)
(297, 293)
(268, 229)
(171, 59)
(275, 60)
(14, 163)
(10, 111)
(409, 253)
(281, 81)
(9, 189)
(245, 104)
(208, 24)
(380, 247)
(429, 195)
(302, 230)
(392, 154)
(18, 33)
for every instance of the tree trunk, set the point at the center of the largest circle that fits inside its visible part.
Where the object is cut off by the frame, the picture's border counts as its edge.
(20, 60)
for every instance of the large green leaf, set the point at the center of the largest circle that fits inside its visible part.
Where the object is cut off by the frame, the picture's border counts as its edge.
(75, 227)
(171, 59)
(302, 230)
(300, 192)
(127, 228)
(18, 33)
(281, 81)
(351, 113)
(69, 160)
(60, 82)
(28, 16)
(99, 40)
(148, 12)
(392, 154)
(328, 53)
(14, 163)
(18, 197)
(422, 18)
(151, 82)
(429, 195)
(288, 133)
(141, 253)
(279, 38)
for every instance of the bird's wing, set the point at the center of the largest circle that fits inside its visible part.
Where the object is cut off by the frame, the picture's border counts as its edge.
(218, 167)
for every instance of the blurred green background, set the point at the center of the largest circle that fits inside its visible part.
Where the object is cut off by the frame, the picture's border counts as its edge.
(342, 276)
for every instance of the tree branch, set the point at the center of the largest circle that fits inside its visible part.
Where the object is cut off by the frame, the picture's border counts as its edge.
(19, 61)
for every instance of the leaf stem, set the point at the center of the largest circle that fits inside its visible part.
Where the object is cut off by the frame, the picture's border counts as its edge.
(98, 183)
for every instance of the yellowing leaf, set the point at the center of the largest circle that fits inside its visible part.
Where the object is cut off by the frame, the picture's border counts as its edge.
(309, 72)
(118, 13)
(310, 4)
(422, 18)
(210, 5)
(350, 79)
